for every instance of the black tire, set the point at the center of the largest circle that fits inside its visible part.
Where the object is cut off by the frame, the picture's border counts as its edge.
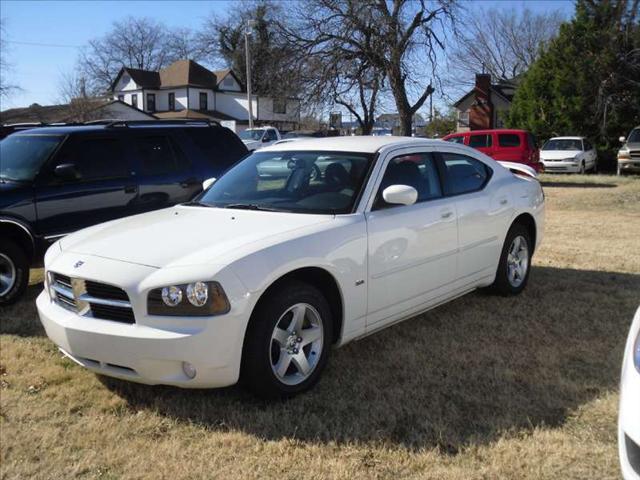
(502, 284)
(18, 259)
(256, 373)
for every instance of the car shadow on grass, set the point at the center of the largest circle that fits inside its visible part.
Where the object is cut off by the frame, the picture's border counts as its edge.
(464, 373)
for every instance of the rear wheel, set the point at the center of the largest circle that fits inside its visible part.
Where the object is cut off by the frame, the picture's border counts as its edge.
(515, 262)
(288, 342)
(14, 272)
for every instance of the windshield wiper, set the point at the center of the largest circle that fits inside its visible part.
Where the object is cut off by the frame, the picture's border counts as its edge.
(251, 206)
(195, 203)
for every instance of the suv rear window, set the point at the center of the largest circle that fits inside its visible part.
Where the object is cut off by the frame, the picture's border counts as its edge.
(508, 140)
(480, 141)
(219, 147)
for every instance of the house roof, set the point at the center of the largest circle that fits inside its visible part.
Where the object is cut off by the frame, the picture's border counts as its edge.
(56, 113)
(197, 114)
(504, 88)
(180, 73)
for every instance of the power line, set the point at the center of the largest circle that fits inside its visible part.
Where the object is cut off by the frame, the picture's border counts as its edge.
(35, 44)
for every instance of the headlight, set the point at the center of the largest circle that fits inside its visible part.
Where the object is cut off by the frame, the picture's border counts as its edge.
(189, 299)
(624, 154)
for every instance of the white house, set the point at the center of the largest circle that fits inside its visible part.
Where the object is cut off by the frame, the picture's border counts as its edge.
(188, 90)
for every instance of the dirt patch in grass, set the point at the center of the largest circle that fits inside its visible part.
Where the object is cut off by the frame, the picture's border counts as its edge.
(484, 387)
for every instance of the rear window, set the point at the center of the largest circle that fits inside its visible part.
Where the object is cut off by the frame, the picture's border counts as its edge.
(220, 147)
(508, 140)
(480, 141)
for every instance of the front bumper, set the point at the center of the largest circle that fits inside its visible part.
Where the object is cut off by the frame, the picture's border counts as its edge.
(629, 166)
(629, 413)
(560, 166)
(151, 350)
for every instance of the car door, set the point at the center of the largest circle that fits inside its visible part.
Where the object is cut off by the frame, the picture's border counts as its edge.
(411, 248)
(482, 214)
(163, 175)
(590, 154)
(102, 190)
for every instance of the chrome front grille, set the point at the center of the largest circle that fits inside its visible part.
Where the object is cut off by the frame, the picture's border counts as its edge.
(91, 299)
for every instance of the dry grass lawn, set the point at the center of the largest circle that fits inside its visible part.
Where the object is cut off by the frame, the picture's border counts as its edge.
(481, 388)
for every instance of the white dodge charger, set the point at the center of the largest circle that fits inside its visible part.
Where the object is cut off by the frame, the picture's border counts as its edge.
(629, 413)
(264, 272)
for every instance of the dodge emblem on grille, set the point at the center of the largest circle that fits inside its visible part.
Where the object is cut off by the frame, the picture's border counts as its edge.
(78, 264)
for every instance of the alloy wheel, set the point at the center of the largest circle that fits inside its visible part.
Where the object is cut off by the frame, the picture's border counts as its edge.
(296, 344)
(7, 274)
(517, 261)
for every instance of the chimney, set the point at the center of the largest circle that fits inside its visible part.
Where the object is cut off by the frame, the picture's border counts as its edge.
(481, 111)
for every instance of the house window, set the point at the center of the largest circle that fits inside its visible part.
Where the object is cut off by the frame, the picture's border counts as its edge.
(227, 82)
(172, 101)
(280, 105)
(151, 102)
(463, 118)
(134, 100)
(121, 98)
(203, 101)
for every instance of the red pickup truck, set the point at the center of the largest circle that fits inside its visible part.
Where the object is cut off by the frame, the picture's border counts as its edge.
(503, 144)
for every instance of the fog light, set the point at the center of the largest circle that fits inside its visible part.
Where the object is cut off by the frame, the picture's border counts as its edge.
(188, 369)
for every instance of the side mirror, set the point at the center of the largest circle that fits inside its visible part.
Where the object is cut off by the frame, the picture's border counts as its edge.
(67, 171)
(265, 139)
(622, 139)
(400, 195)
(208, 182)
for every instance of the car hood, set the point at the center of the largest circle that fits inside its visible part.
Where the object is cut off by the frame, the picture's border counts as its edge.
(558, 154)
(185, 235)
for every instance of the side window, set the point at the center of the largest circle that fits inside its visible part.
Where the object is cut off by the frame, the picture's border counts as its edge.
(480, 141)
(216, 146)
(155, 155)
(508, 140)
(134, 100)
(417, 170)
(172, 101)
(459, 139)
(587, 145)
(96, 158)
(532, 141)
(270, 135)
(463, 174)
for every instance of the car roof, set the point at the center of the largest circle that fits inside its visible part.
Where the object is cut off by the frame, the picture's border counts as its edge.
(365, 143)
(566, 138)
(490, 130)
(68, 129)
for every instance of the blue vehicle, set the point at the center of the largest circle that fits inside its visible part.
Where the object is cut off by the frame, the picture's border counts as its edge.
(55, 180)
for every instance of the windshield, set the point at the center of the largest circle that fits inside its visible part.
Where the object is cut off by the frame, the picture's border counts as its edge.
(292, 181)
(21, 156)
(563, 144)
(251, 134)
(634, 136)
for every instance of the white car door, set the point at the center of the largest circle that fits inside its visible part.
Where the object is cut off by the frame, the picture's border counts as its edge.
(412, 249)
(483, 214)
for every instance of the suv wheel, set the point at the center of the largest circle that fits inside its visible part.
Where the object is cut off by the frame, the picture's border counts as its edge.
(515, 262)
(288, 342)
(14, 272)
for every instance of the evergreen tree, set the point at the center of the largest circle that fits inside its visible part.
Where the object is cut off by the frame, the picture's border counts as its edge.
(587, 81)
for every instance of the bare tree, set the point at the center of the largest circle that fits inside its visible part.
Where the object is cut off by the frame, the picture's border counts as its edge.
(133, 42)
(182, 43)
(5, 88)
(72, 90)
(401, 38)
(503, 42)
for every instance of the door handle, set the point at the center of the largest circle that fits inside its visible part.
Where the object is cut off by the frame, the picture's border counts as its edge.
(446, 214)
(504, 201)
(130, 189)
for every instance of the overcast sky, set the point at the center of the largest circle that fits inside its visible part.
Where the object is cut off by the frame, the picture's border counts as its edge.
(43, 37)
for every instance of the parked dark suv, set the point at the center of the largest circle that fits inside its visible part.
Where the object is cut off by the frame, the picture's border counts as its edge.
(55, 180)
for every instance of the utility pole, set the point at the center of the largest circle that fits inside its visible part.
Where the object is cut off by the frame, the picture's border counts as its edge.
(247, 33)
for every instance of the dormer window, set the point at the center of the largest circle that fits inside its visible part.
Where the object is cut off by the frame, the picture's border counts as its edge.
(228, 82)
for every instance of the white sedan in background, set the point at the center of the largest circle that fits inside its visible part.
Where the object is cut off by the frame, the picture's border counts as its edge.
(259, 277)
(569, 154)
(629, 414)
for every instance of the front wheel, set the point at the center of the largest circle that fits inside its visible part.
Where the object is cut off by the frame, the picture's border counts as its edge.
(288, 342)
(515, 262)
(14, 272)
